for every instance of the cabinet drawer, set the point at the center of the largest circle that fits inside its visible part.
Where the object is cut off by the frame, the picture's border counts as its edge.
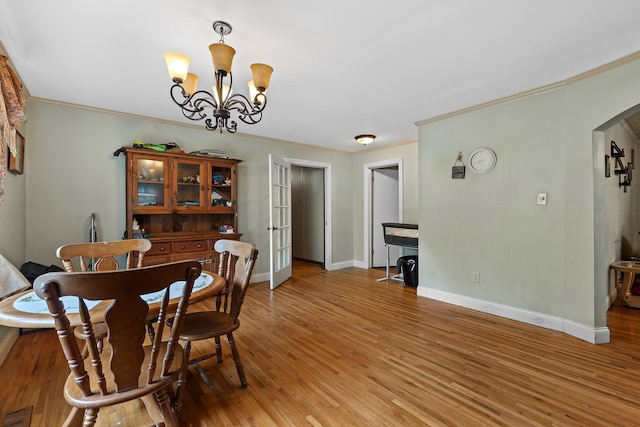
(159, 248)
(193, 246)
(203, 257)
(155, 260)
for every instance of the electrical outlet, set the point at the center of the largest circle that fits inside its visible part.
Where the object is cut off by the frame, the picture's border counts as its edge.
(542, 198)
(476, 277)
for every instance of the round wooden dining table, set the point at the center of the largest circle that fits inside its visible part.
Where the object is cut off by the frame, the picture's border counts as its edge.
(27, 310)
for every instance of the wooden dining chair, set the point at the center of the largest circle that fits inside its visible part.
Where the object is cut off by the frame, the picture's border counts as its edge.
(103, 256)
(235, 265)
(126, 369)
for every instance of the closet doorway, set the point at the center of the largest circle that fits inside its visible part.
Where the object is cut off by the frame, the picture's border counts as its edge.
(307, 214)
(311, 221)
(383, 202)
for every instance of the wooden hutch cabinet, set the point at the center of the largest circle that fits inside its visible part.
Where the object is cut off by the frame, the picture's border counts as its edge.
(182, 203)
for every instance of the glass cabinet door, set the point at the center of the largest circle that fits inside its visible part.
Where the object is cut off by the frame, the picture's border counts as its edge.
(222, 198)
(189, 185)
(223, 194)
(150, 185)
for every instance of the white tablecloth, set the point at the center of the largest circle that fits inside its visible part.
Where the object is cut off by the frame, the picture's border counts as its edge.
(31, 303)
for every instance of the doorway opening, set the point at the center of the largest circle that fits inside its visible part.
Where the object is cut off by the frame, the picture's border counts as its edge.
(383, 202)
(315, 244)
(307, 214)
(615, 210)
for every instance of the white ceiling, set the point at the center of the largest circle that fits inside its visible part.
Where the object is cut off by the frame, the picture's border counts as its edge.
(341, 67)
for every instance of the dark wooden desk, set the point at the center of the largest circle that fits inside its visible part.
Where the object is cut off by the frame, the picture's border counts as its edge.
(207, 285)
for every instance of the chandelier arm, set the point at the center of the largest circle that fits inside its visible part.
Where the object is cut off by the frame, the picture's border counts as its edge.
(192, 107)
(247, 112)
(186, 99)
(203, 98)
(211, 124)
(244, 106)
(231, 126)
(238, 98)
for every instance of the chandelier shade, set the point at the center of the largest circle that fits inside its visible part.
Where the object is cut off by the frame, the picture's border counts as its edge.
(190, 84)
(226, 91)
(261, 76)
(222, 57)
(178, 65)
(215, 108)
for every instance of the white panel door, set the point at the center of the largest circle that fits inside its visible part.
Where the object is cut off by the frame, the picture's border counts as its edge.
(385, 201)
(280, 220)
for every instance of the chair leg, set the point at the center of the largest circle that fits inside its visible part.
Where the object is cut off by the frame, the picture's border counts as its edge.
(90, 417)
(203, 374)
(182, 378)
(159, 408)
(74, 418)
(162, 397)
(218, 349)
(236, 359)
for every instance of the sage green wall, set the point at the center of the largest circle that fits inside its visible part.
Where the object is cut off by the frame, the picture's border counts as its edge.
(539, 258)
(12, 219)
(72, 173)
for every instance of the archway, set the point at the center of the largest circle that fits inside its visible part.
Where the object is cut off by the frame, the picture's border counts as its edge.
(608, 235)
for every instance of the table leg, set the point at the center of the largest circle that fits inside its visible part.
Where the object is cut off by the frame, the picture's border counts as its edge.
(628, 298)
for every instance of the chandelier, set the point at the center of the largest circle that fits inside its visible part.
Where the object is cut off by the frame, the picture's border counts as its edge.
(215, 107)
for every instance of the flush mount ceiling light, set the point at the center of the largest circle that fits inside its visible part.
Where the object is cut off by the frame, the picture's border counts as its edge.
(365, 139)
(215, 108)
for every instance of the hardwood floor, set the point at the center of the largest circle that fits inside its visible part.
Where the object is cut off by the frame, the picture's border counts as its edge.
(338, 348)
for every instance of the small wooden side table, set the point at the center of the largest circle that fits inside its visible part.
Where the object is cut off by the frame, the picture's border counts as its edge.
(628, 269)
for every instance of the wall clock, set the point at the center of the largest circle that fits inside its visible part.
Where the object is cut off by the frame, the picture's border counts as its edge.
(482, 160)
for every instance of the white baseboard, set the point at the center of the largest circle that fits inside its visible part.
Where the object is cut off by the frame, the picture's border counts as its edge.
(578, 330)
(264, 277)
(7, 343)
(260, 277)
(343, 264)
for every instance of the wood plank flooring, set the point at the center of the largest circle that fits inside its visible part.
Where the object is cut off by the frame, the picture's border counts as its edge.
(340, 349)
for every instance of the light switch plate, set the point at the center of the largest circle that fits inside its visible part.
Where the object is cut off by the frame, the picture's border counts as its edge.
(542, 198)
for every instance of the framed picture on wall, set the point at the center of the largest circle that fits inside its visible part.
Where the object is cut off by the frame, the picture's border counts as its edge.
(16, 164)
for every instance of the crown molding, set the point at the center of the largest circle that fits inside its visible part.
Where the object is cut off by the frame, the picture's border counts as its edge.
(179, 124)
(582, 76)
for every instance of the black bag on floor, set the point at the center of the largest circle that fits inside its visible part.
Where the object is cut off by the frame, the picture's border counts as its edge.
(408, 267)
(31, 270)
